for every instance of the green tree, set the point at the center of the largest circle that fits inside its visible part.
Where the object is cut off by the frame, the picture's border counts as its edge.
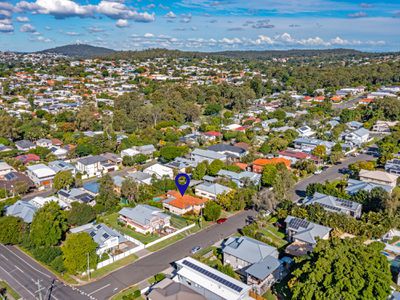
(63, 180)
(269, 175)
(80, 214)
(342, 269)
(319, 151)
(200, 171)
(76, 249)
(48, 226)
(212, 211)
(11, 230)
(107, 197)
(169, 153)
(214, 167)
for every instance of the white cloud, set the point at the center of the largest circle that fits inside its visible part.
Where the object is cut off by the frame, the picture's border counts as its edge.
(148, 35)
(359, 14)
(22, 19)
(6, 26)
(122, 23)
(27, 28)
(72, 33)
(67, 8)
(170, 15)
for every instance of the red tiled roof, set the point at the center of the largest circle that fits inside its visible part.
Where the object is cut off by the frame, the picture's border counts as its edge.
(213, 133)
(271, 161)
(184, 201)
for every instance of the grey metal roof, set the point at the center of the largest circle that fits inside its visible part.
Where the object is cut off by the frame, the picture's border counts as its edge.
(264, 268)
(213, 188)
(89, 160)
(25, 144)
(208, 154)
(306, 231)
(23, 210)
(226, 148)
(254, 177)
(100, 233)
(331, 203)
(143, 214)
(139, 176)
(247, 249)
(357, 185)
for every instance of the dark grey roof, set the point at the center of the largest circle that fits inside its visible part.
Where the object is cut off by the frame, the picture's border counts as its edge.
(331, 203)
(264, 268)
(25, 144)
(226, 148)
(306, 231)
(92, 160)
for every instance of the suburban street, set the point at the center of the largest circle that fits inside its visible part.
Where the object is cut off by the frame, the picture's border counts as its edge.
(28, 278)
(22, 271)
(329, 174)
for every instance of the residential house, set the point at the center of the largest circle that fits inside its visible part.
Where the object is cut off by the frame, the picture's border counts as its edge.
(60, 165)
(211, 190)
(255, 261)
(22, 209)
(304, 235)
(384, 126)
(39, 201)
(241, 179)
(181, 163)
(354, 125)
(334, 204)
(59, 152)
(140, 177)
(45, 143)
(160, 171)
(212, 135)
(5, 168)
(354, 186)
(168, 289)
(41, 175)
(13, 180)
(4, 148)
(91, 166)
(144, 218)
(379, 177)
(113, 159)
(129, 152)
(308, 144)
(232, 152)
(28, 158)
(305, 131)
(294, 156)
(106, 238)
(209, 282)
(174, 202)
(259, 164)
(357, 137)
(200, 155)
(393, 166)
(25, 145)
(76, 195)
(146, 149)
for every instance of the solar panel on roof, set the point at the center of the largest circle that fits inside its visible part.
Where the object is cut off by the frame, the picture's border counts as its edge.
(345, 203)
(213, 276)
(329, 207)
(106, 236)
(297, 223)
(92, 233)
(10, 176)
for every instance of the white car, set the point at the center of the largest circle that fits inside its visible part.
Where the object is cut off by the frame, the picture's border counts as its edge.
(196, 249)
(318, 172)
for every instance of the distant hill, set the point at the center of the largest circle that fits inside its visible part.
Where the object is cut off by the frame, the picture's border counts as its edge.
(263, 54)
(80, 51)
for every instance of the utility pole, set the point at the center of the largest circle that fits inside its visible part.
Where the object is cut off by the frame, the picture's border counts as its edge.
(39, 290)
(88, 266)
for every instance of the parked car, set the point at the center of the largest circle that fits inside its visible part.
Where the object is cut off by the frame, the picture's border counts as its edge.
(196, 249)
(318, 172)
(222, 220)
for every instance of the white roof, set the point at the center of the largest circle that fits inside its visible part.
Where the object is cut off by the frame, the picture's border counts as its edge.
(41, 170)
(379, 175)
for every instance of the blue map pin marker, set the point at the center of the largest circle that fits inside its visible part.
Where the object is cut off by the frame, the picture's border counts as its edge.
(182, 187)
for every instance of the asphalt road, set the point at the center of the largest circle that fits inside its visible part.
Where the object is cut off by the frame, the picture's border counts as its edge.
(327, 175)
(350, 103)
(21, 271)
(23, 274)
(161, 260)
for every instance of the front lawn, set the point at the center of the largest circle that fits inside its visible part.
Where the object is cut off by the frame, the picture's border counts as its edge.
(112, 221)
(112, 267)
(125, 294)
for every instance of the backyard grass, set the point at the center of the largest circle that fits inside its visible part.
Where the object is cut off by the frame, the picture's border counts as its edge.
(112, 267)
(9, 290)
(126, 292)
(112, 221)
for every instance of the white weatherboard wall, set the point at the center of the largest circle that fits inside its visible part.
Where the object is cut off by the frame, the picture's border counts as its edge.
(140, 246)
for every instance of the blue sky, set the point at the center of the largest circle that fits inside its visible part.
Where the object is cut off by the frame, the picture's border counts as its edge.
(201, 25)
